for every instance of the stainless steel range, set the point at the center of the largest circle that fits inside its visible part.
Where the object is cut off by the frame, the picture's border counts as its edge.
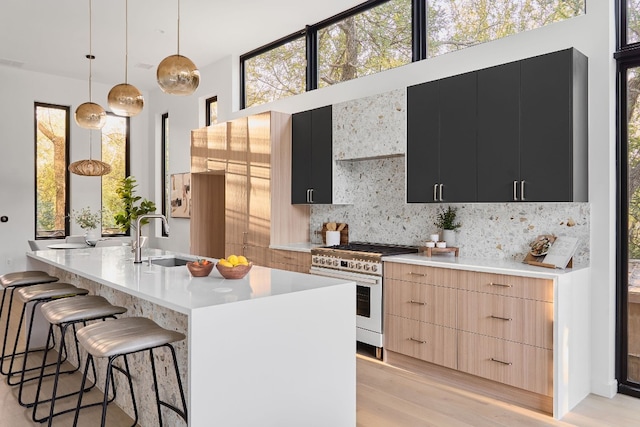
(362, 263)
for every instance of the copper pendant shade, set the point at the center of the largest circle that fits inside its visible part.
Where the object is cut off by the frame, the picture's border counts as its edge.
(125, 99)
(177, 74)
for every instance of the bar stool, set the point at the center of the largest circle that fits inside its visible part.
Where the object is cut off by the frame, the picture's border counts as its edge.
(64, 314)
(122, 337)
(32, 296)
(10, 282)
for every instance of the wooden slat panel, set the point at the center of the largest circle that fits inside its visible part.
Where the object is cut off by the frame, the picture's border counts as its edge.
(424, 341)
(519, 365)
(425, 303)
(515, 319)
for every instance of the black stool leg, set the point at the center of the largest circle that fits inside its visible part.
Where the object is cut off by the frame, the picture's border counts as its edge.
(159, 402)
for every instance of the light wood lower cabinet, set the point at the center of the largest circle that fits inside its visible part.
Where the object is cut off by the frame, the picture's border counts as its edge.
(515, 364)
(290, 260)
(424, 341)
(494, 326)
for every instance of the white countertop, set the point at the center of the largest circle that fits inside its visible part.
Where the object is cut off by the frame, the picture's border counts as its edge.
(482, 265)
(174, 287)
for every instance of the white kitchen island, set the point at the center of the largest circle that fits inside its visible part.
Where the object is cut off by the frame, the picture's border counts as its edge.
(276, 348)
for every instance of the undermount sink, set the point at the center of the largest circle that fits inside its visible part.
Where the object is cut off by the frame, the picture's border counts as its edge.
(170, 261)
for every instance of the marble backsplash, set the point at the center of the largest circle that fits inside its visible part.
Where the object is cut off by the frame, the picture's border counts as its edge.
(380, 214)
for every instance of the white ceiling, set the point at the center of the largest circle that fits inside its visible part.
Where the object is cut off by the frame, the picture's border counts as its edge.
(52, 36)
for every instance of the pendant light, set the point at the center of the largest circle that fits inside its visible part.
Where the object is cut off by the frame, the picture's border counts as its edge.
(90, 115)
(90, 167)
(177, 74)
(125, 99)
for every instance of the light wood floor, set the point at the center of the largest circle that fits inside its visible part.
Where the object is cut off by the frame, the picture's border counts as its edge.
(391, 397)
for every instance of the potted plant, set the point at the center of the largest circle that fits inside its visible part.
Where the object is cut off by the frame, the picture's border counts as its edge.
(89, 222)
(132, 206)
(446, 221)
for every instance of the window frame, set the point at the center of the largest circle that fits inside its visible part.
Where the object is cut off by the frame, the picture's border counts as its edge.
(164, 140)
(67, 179)
(627, 56)
(207, 109)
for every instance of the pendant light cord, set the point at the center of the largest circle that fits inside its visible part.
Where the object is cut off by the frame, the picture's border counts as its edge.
(90, 53)
(126, 40)
(178, 27)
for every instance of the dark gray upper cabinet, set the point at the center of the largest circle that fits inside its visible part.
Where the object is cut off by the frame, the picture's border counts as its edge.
(514, 132)
(553, 128)
(441, 140)
(311, 157)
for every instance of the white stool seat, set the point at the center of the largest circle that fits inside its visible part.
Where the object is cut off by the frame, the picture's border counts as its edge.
(77, 309)
(125, 335)
(48, 291)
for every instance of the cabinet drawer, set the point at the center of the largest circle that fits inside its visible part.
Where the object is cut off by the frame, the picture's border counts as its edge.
(425, 341)
(513, 286)
(518, 365)
(514, 319)
(426, 303)
(425, 275)
(290, 257)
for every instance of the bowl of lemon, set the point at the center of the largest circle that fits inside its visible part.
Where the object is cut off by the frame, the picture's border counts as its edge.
(234, 267)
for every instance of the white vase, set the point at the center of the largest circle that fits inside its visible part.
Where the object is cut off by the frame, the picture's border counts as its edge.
(92, 236)
(449, 236)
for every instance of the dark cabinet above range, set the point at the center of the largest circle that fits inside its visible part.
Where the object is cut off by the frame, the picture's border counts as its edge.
(514, 132)
(311, 157)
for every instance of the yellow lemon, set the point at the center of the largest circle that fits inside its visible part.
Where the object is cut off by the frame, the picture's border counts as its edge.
(225, 263)
(242, 260)
(243, 263)
(233, 259)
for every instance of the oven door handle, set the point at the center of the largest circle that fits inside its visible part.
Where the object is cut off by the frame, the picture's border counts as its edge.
(338, 275)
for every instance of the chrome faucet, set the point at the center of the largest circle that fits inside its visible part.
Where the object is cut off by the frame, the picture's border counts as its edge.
(137, 249)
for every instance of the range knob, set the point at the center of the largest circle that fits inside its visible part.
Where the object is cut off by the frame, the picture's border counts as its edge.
(352, 264)
(367, 267)
(336, 263)
(322, 261)
(315, 259)
(359, 266)
(374, 268)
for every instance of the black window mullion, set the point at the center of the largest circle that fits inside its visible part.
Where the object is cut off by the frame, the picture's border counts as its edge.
(311, 39)
(419, 30)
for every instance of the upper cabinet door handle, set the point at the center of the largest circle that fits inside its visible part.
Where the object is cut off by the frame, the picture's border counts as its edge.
(441, 185)
(435, 192)
(311, 195)
(515, 190)
(522, 190)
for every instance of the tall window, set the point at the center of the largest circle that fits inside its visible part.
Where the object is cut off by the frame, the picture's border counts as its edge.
(275, 73)
(365, 43)
(379, 35)
(457, 24)
(166, 185)
(51, 176)
(211, 110)
(115, 152)
(628, 309)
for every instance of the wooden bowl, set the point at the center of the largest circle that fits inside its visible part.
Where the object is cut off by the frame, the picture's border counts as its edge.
(198, 270)
(237, 272)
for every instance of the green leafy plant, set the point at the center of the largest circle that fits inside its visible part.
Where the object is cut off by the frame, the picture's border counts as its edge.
(446, 219)
(131, 209)
(86, 219)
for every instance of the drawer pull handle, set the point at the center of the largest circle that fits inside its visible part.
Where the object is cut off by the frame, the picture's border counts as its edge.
(411, 273)
(417, 302)
(501, 285)
(508, 319)
(417, 340)
(500, 361)
(288, 257)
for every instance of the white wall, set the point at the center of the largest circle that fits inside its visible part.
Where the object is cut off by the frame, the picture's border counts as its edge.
(592, 34)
